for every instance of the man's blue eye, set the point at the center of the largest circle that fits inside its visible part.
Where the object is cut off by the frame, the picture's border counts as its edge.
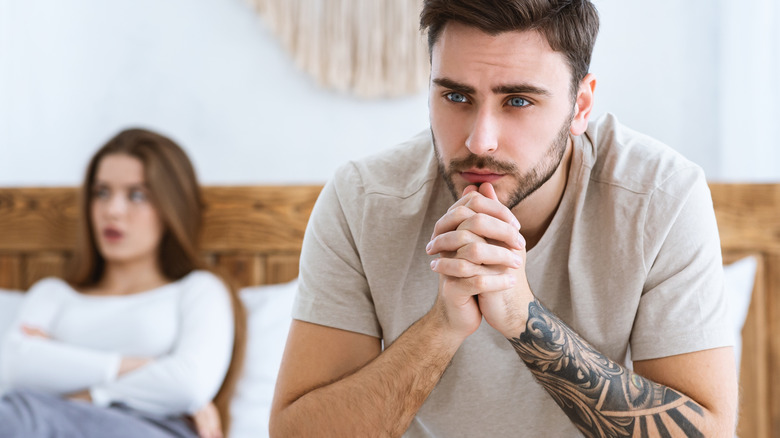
(518, 101)
(456, 97)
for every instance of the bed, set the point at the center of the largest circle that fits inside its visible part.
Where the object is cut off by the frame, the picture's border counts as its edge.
(254, 234)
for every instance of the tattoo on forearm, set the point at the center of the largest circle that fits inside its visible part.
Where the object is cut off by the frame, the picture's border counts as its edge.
(602, 398)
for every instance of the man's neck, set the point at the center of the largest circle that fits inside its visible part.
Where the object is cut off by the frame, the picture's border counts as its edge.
(537, 211)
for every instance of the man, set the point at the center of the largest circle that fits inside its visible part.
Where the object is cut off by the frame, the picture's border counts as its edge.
(488, 277)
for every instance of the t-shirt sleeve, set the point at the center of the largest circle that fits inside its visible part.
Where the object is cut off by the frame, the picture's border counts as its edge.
(682, 307)
(333, 290)
(191, 374)
(47, 364)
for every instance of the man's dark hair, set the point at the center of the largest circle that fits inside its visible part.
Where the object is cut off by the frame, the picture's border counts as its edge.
(569, 26)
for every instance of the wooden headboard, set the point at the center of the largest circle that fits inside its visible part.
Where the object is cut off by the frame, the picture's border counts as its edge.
(749, 224)
(252, 233)
(255, 234)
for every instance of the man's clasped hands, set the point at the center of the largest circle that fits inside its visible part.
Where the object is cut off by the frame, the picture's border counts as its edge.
(481, 265)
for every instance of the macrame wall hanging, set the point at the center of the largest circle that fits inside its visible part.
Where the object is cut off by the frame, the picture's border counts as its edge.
(371, 48)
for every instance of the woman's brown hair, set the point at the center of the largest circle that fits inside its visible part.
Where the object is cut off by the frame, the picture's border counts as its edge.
(175, 193)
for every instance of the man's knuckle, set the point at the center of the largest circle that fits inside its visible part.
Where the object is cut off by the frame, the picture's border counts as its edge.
(474, 252)
(462, 267)
(476, 220)
(480, 282)
(462, 212)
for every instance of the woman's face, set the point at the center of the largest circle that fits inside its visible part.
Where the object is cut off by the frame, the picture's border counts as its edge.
(125, 223)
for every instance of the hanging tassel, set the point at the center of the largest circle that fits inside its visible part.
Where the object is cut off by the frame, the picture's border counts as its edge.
(370, 48)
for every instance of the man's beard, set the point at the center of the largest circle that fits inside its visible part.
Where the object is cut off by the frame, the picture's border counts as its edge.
(528, 182)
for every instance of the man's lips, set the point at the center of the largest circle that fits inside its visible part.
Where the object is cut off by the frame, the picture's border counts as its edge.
(481, 177)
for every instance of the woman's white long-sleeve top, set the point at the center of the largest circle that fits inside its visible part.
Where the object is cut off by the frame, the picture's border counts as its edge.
(186, 327)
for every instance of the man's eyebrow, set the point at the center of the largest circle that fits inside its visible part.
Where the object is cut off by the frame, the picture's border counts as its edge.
(521, 89)
(500, 89)
(454, 86)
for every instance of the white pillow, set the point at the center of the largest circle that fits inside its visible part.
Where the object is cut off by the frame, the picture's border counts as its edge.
(738, 279)
(269, 310)
(10, 302)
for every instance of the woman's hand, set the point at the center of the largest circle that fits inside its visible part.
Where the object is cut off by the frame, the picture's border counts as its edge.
(129, 364)
(207, 422)
(34, 332)
(81, 395)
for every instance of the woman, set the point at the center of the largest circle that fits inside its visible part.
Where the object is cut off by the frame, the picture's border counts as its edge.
(141, 336)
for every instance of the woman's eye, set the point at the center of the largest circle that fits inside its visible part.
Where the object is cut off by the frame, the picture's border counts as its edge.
(456, 97)
(137, 196)
(518, 101)
(101, 193)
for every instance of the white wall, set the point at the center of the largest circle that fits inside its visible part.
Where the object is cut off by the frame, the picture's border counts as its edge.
(205, 72)
(749, 87)
(700, 75)
(209, 74)
(655, 63)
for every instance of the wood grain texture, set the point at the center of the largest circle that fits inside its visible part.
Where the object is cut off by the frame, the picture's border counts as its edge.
(38, 219)
(244, 269)
(748, 216)
(772, 276)
(282, 268)
(754, 368)
(259, 219)
(242, 227)
(749, 221)
(11, 272)
(42, 265)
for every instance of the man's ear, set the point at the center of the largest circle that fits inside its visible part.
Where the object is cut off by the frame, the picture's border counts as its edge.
(583, 105)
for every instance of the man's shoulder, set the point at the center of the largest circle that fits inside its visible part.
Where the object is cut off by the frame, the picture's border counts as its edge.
(399, 171)
(622, 157)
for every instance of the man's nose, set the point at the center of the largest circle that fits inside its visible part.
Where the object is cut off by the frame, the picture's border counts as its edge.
(484, 134)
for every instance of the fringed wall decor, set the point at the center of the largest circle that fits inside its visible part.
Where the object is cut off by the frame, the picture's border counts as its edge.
(371, 48)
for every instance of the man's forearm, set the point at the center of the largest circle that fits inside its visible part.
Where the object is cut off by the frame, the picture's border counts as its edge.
(602, 398)
(380, 399)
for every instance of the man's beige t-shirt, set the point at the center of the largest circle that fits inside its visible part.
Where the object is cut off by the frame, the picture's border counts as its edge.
(631, 257)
